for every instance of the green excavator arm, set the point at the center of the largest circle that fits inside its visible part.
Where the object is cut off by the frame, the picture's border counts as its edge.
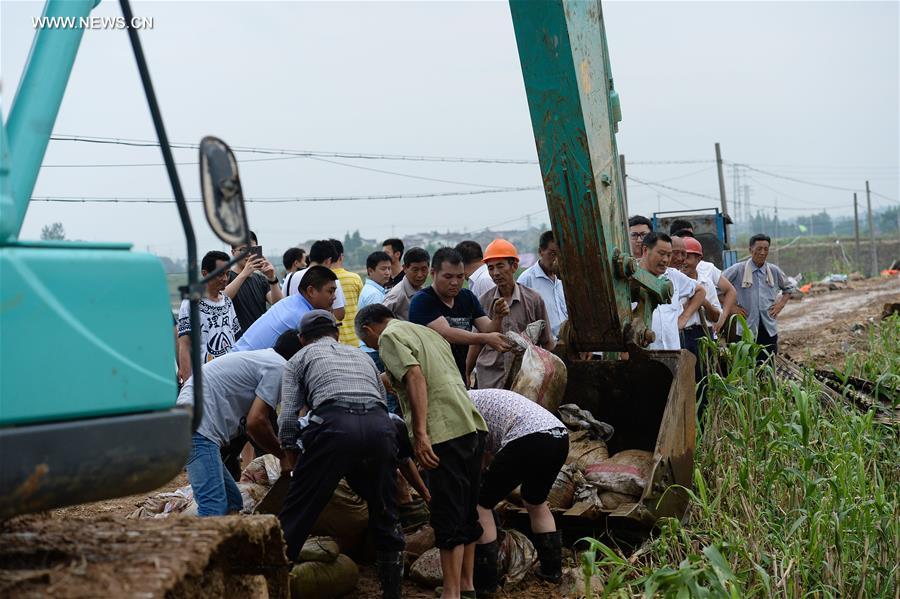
(575, 114)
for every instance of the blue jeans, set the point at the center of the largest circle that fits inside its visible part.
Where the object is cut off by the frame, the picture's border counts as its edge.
(215, 491)
(393, 405)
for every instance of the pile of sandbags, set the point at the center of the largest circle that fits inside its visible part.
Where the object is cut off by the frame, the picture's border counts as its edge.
(516, 557)
(323, 572)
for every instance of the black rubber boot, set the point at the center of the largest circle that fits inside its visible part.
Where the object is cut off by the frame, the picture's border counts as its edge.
(486, 573)
(549, 550)
(389, 565)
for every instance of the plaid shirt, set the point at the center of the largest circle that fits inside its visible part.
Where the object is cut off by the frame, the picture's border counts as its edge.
(322, 371)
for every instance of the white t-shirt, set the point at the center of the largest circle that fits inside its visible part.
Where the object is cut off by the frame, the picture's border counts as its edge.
(218, 325)
(230, 384)
(481, 282)
(665, 316)
(707, 275)
(291, 286)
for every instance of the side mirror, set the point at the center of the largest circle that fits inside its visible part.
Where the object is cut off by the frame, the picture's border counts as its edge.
(223, 198)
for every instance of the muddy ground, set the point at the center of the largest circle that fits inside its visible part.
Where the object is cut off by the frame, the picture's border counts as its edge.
(823, 328)
(818, 330)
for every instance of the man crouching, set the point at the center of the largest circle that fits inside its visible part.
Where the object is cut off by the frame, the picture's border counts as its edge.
(336, 391)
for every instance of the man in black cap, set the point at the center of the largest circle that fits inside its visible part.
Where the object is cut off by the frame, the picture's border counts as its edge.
(334, 424)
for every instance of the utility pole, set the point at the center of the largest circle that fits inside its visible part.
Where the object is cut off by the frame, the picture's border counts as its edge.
(873, 252)
(624, 184)
(721, 188)
(856, 229)
(736, 192)
(746, 195)
(776, 230)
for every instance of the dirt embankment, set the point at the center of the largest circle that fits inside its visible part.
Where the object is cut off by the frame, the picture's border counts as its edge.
(821, 330)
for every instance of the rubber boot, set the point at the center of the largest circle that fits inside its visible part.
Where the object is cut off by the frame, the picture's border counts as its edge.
(389, 565)
(486, 573)
(549, 550)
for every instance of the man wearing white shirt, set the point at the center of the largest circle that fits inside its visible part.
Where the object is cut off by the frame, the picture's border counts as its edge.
(687, 297)
(543, 278)
(474, 267)
(322, 253)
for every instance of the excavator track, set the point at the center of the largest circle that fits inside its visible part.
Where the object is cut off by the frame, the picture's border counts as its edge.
(115, 557)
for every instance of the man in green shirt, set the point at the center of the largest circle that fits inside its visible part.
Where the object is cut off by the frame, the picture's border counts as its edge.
(448, 433)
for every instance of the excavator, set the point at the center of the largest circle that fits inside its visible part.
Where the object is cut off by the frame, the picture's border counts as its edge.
(93, 415)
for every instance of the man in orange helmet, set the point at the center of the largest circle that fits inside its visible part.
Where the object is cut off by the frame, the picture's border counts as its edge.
(524, 306)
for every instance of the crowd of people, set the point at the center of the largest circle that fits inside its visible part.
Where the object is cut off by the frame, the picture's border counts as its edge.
(371, 380)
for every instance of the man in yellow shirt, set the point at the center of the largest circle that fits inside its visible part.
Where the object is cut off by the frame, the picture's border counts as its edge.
(351, 285)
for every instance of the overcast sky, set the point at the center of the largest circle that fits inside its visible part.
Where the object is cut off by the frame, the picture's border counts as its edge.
(807, 90)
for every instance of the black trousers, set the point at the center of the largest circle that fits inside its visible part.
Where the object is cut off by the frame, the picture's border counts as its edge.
(454, 487)
(769, 342)
(691, 341)
(359, 445)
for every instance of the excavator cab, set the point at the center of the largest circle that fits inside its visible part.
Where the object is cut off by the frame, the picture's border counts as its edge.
(647, 396)
(87, 342)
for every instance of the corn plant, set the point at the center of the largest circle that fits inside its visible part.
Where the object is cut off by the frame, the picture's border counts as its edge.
(792, 497)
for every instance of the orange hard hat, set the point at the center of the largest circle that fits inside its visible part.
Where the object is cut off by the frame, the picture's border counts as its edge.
(692, 246)
(500, 248)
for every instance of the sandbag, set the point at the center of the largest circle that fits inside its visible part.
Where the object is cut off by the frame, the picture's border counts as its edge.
(563, 489)
(515, 497)
(264, 470)
(515, 559)
(419, 542)
(583, 451)
(516, 556)
(251, 494)
(413, 515)
(611, 500)
(541, 377)
(626, 472)
(321, 580)
(426, 570)
(345, 519)
(319, 549)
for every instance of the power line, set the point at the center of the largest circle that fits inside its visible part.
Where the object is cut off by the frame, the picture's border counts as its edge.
(805, 182)
(407, 175)
(675, 189)
(314, 153)
(686, 175)
(279, 199)
(300, 153)
(658, 162)
(518, 218)
(141, 164)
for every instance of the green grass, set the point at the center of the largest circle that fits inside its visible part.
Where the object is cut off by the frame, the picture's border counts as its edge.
(881, 367)
(792, 497)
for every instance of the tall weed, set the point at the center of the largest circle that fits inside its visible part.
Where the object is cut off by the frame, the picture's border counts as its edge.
(792, 497)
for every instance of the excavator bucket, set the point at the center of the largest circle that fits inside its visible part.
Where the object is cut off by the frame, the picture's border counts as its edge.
(650, 404)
